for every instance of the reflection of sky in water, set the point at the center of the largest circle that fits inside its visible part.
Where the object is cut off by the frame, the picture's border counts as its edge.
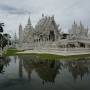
(24, 72)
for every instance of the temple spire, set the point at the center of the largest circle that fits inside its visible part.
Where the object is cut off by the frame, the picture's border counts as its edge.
(74, 22)
(87, 29)
(20, 27)
(20, 34)
(42, 15)
(81, 24)
(29, 21)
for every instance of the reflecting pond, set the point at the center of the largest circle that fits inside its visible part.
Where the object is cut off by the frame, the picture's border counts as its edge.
(30, 72)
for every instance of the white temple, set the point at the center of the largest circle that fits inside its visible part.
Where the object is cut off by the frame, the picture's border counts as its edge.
(47, 35)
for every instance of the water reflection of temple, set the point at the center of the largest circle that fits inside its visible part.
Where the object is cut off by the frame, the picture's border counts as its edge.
(47, 70)
(78, 68)
(4, 62)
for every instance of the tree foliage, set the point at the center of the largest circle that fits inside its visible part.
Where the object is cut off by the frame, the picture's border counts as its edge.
(3, 41)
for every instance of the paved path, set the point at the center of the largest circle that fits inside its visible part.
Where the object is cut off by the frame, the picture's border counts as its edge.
(63, 53)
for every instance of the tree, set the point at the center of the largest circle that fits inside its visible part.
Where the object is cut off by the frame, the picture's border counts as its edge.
(7, 37)
(3, 41)
(1, 27)
(4, 38)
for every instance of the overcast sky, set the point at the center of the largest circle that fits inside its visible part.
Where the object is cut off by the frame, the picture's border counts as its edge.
(14, 12)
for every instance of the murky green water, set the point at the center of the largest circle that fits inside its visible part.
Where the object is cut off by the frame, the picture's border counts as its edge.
(29, 73)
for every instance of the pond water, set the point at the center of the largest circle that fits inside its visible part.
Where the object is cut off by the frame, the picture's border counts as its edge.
(32, 73)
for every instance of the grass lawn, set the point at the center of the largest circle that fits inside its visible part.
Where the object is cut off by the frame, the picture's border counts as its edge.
(12, 52)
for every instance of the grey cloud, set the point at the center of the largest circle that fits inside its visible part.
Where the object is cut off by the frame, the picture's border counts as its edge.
(13, 10)
(65, 11)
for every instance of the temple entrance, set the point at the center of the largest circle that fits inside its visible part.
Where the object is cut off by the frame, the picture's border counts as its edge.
(52, 36)
(82, 45)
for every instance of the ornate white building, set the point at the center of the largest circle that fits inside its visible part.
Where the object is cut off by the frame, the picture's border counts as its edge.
(78, 31)
(79, 35)
(46, 34)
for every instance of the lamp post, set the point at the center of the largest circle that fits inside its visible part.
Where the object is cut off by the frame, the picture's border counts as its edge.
(1, 43)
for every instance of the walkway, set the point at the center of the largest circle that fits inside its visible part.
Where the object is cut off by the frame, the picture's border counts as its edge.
(55, 52)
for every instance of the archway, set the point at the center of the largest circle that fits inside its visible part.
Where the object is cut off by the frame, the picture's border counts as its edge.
(52, 36)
